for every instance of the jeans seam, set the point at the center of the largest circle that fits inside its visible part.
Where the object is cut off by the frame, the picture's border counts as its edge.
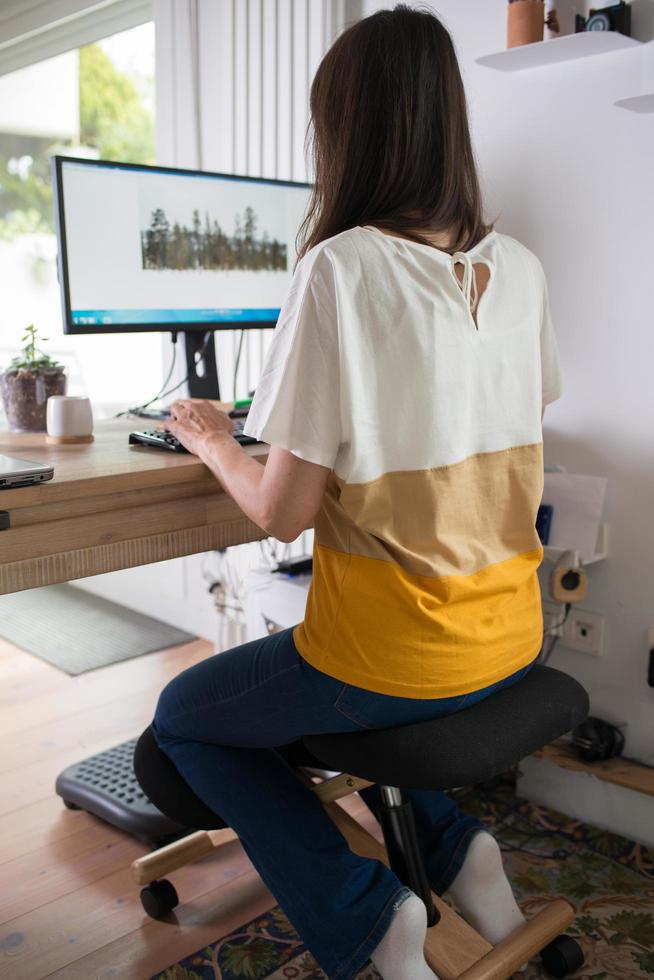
(211, 704)
(438, 886)
(343, 972)
(342, 711)
(355, 721)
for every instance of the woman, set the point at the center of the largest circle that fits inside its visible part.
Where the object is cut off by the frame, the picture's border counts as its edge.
(402, 401)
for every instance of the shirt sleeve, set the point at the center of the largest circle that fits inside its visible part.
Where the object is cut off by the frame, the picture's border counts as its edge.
(549, 352)
(296, 404)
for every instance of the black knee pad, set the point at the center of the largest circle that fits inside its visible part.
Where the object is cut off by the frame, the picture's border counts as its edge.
(170, 793)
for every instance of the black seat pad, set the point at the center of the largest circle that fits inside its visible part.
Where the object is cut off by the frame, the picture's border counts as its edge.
(468, 747)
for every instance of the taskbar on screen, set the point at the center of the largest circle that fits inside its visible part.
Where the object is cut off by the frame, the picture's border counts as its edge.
(110, 318)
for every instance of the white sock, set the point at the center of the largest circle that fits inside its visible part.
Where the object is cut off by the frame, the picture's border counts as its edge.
(483, 893)
(400, 954)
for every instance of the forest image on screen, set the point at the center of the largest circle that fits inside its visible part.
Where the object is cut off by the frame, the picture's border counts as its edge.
(204, 244)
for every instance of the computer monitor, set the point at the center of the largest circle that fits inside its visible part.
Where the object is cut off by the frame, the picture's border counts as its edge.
(158, 248)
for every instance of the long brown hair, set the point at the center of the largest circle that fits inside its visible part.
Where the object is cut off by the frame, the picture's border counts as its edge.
(390, 140)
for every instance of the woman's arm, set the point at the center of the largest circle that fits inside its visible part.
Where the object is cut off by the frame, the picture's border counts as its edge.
(282, 497)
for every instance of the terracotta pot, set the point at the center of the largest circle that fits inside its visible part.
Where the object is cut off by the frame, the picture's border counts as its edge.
(526, 22)
(25, 395)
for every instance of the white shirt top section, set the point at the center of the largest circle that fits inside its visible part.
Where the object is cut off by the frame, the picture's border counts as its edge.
(376, 364)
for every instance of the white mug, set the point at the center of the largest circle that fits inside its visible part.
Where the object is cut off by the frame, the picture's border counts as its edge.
(69, 417)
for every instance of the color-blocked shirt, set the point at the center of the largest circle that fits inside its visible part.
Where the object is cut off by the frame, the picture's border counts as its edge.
(425, 551)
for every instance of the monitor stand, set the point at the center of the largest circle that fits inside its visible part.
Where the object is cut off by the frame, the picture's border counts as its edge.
(201, 366)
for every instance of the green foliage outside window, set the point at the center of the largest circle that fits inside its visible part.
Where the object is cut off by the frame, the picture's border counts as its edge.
(112, 116)
(113, 121)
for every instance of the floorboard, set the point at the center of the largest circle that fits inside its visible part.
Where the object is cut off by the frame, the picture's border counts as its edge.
(98, 687)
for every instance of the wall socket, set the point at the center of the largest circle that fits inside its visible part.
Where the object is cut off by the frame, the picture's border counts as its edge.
(583, 630)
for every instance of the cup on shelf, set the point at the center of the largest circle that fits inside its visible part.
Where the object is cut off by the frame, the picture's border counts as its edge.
(69, 419)
(526, 22)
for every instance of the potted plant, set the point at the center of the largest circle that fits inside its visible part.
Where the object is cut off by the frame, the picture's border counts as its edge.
(27, 384)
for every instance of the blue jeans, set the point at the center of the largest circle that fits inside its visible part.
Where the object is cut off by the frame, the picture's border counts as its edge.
(219, 723)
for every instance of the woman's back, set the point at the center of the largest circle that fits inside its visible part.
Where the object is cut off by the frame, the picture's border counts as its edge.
(426, 551)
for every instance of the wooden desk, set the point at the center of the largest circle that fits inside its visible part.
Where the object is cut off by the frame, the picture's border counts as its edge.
(111, 506)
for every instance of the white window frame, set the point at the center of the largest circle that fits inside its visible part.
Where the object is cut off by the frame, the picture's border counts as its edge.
(34, 30)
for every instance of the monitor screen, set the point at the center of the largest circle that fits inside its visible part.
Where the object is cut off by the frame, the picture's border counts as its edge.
(155, 248)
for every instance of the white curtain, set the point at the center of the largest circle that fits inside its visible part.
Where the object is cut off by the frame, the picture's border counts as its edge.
(233, 80)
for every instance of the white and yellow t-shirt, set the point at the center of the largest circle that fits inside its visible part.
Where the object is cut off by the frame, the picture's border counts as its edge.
(425, 557)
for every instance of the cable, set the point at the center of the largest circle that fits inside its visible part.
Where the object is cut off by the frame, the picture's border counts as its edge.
(160, 393)
(486, 790)
(238, 361)
(556, 626)
(164, 394)
(543, 657)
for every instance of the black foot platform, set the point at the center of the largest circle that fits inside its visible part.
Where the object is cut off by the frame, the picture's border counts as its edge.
(105, 785)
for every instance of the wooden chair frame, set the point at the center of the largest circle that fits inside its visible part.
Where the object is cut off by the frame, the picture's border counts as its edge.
(453, 948)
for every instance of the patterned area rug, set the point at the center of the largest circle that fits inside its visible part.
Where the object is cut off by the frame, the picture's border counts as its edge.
(608, 879)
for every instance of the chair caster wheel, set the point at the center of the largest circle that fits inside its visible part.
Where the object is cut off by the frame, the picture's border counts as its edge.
(159, 898)
(71, 806)
(562, 956)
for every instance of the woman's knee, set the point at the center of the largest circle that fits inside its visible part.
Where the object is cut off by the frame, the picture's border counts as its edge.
(174, 708)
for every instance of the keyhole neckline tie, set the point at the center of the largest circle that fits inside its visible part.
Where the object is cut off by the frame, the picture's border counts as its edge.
(469, 284)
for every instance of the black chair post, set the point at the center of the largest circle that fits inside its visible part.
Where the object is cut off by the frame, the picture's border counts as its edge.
(398, 826)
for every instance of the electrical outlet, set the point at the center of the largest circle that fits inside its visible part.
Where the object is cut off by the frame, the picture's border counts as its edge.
(553, 613)
(584, 631)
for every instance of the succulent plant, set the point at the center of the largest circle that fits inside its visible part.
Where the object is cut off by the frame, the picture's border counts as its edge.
(32, 358)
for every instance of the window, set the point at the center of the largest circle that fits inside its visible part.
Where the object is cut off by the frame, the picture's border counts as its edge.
(96, 101)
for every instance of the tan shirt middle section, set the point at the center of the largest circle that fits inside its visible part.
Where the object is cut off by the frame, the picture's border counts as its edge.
(449, 520)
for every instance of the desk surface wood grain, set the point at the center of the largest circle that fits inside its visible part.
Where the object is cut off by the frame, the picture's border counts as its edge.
(111, 506)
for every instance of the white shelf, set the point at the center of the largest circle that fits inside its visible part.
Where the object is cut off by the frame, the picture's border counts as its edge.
(567, 48)
(637, 103)
(601, 550)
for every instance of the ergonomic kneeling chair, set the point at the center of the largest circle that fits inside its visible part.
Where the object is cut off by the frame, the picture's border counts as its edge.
(468, 747)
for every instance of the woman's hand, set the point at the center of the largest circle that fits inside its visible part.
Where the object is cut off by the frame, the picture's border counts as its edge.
(195, 423)
(282, 497)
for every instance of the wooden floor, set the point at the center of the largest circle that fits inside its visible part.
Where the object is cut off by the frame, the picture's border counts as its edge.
(68, 905)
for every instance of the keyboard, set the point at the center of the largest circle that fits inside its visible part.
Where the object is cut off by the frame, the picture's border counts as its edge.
(162, 439)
